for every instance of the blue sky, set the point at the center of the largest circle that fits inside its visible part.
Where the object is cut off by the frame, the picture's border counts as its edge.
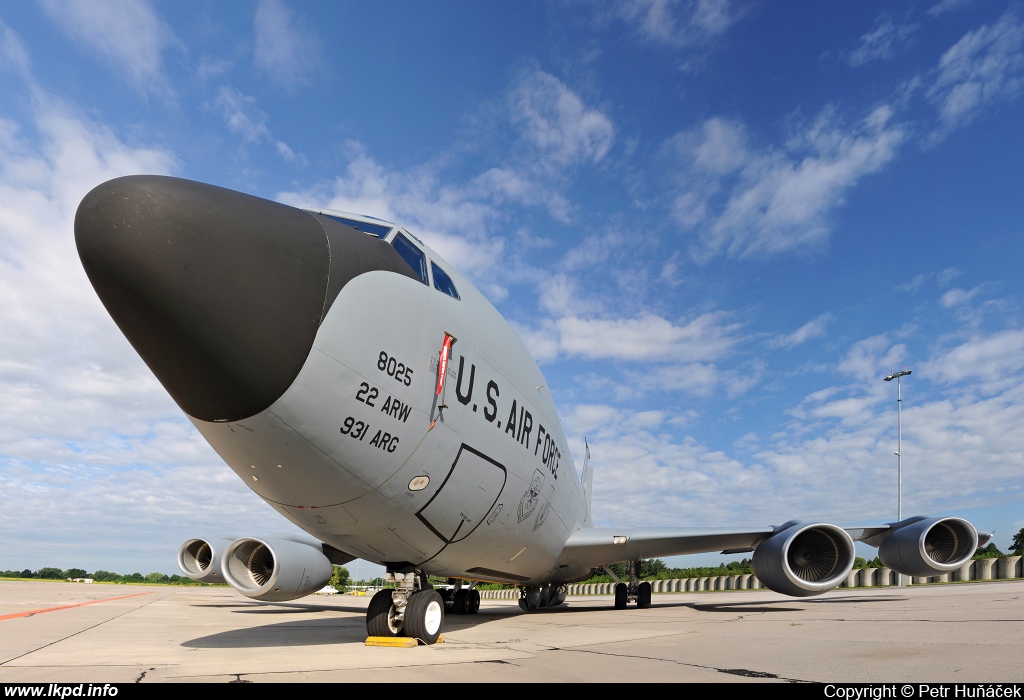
(717, 225)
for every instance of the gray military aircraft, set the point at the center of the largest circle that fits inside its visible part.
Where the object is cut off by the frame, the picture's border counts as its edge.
(371, 395)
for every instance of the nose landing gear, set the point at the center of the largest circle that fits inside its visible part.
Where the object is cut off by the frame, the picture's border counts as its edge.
(411, 609)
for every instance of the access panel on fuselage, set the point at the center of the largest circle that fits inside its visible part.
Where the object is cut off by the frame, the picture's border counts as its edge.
(465, 497)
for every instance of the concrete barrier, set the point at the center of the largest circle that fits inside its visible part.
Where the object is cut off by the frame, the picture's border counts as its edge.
(866, 577)
(1008, 567)
(984, 569)
(1011, 567)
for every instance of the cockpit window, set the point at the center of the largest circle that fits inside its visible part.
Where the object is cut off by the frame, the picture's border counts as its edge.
(373, 229)
(442, 281)
(412, 255)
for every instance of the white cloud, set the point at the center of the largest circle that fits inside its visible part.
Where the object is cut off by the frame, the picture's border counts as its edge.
(884, 42)
(744, 203)
(815, 328)
(13, 55)
(873, 358)
(833, 459)
(941, 8)
(647, 337)
(957, 297)
(555, 121)
(983, 68)
(242, 116)
(557, 133)
(210, 67)
(286, 52)
(990, 359)
(126, 34)
(679, 23)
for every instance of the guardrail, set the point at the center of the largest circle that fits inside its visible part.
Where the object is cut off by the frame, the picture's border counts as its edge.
(975, 570)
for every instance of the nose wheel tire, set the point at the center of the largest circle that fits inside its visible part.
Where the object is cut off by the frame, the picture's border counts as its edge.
(381, 616)
(643, 595)
(620, 596)
(424, 615)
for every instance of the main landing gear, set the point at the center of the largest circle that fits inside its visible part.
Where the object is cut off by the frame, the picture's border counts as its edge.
(411, 609)
(636, 591)
(459, 600)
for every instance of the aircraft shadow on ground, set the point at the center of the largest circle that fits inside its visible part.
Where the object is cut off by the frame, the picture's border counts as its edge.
(297, 633)
(334, 630)
(762, 606)
(351, 628)
(257, 608)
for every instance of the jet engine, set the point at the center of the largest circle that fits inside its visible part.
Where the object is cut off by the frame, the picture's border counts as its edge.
(804, 559)
(200, 559)
(928, 546)
(274, 569)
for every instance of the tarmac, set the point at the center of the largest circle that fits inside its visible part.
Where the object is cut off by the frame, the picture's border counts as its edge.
(62, 632)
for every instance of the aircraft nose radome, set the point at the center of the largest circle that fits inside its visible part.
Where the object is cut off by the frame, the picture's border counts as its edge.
(221, 293)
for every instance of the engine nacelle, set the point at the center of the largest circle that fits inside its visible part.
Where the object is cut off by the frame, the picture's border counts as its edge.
(804, 559)
(275, 569)
(200, 558)
(928, 546)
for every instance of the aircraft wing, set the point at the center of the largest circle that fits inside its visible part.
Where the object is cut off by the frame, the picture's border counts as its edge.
(596, 546)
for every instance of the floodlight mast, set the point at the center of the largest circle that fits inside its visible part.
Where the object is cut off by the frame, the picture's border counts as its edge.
(899, 450)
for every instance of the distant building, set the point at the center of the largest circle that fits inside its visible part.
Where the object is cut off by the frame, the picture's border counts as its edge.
(80, 580)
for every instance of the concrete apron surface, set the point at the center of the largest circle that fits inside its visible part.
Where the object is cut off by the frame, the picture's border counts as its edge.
(961, 632)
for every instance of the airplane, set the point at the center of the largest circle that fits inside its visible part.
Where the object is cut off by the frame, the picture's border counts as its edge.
(367, 391)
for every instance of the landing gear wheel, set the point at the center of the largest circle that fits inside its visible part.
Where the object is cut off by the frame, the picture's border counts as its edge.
(643, 595)
(620, 596)
(424, 615)
(459, 602)
(473, 602)
(380, 616)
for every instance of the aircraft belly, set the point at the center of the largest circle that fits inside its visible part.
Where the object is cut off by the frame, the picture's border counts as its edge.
(278, 463)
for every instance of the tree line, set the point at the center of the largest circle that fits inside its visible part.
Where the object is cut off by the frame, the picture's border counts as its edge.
(52, 573)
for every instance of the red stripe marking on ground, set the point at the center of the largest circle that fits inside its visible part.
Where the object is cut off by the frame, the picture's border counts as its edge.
(30, 613)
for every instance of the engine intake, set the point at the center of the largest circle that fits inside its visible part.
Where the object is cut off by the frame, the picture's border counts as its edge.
(804, 559)
(200, 559)
(274, 569)
(922, 546)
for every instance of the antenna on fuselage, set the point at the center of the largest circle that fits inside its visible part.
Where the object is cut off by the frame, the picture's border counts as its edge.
(587, 479)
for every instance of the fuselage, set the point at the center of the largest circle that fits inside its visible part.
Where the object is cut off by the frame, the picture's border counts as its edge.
(305, 346)
(348, 453)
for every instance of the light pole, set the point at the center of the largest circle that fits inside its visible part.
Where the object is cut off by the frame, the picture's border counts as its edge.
(899, 450)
